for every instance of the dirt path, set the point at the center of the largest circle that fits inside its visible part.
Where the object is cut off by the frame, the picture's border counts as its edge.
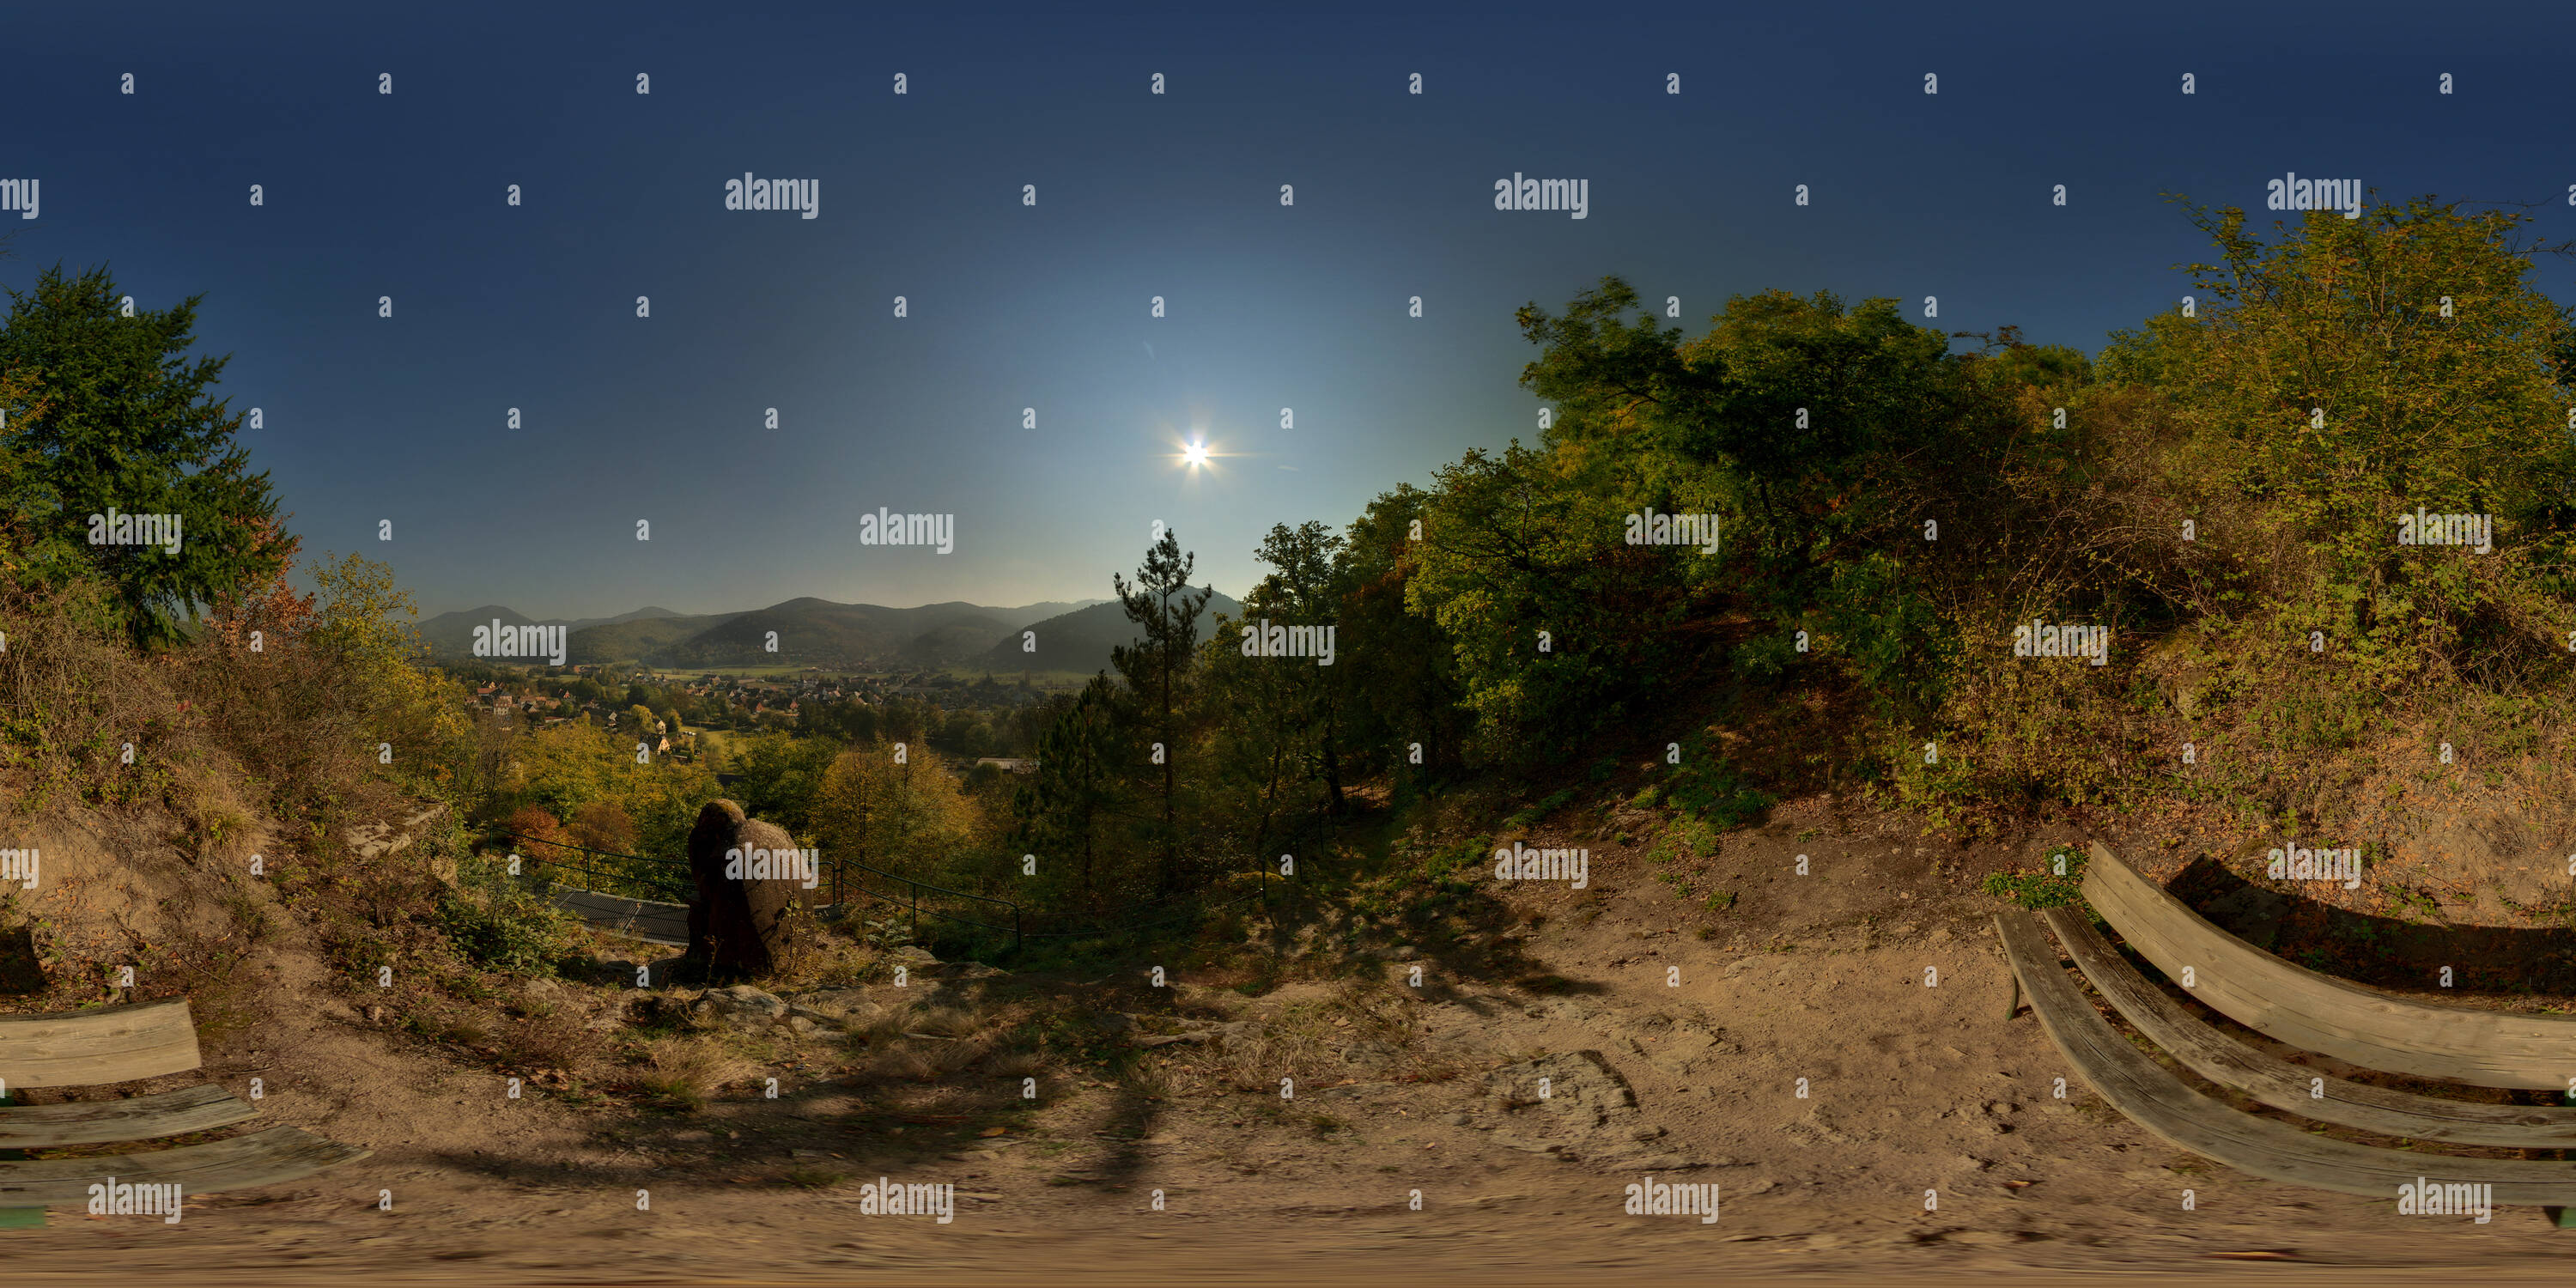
(1697, 1046)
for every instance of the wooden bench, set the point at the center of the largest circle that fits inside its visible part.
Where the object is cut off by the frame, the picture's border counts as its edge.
(2321, 1013)
(2160, 1102)
(2274, 1081)
(122, 1044)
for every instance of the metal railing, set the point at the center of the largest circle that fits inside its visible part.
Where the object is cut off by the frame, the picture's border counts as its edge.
(662, 880)
(669, 880)
(911, 904)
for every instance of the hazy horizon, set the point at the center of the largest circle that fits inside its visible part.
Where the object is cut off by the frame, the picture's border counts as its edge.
(1082, 601)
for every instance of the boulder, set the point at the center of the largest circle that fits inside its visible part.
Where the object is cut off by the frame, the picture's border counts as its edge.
(739, 926)
(743, 1000)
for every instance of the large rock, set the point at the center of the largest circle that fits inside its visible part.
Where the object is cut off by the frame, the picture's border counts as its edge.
(739, 926)
(741, 1005)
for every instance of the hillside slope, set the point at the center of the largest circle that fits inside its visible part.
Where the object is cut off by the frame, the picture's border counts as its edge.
(1081, 640)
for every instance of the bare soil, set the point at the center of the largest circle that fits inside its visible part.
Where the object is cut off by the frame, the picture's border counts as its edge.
(1930, 1142)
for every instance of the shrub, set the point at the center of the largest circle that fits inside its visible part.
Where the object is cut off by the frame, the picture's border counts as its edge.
(2059, 881)
(501, 925)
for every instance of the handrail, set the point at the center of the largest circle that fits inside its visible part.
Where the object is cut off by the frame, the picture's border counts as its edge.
(589, 872)
(1019, 916)
(607, 854)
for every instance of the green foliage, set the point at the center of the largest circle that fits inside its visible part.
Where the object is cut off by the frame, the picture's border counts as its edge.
(1157, 669)
(781, 776)
(2059, 881)
(2344, 321)
(107, 412)
(1538, 811)
(886, 934)
(1709, 792)
(1555, 627)
(1060, 814)
(503, 924)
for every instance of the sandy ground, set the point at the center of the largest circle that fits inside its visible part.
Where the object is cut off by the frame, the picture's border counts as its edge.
(1701, 1043)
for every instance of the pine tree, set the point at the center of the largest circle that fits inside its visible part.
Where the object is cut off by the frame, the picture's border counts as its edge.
(1164, 607)
(1059, 813)
(128, 424)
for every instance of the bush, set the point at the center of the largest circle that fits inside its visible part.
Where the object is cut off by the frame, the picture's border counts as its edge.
(1704, 788)
(501, 925)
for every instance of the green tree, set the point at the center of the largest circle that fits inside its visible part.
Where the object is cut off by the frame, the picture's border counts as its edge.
(1304, 586)
(1397, 672)
(1059, 814)
(781, 774)
(129, 425)
(1163, 606)
(2352, 371)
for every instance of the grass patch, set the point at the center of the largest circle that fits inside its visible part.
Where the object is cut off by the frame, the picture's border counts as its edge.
(2059, 882)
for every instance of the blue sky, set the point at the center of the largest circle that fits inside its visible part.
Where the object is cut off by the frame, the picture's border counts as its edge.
(1177, 195)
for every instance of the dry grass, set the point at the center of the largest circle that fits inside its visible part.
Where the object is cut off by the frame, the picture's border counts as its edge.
(945, 1022)
(687, 1070)
(1020, 1064)
(882, 1028)
(1304, 1040)
(904, 1064)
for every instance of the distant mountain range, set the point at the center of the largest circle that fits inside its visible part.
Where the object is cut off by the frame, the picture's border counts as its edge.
(1081, 640)
(453, 633)
(817, 632)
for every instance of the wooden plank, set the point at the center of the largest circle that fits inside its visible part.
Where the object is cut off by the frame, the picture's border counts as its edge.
(2286, 1086)
(168, 1113)
(2321, 1013)
(2140, 1088)
(91, 1048)
(244, 1162)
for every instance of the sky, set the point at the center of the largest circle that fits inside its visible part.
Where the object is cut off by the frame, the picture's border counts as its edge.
(368, 420)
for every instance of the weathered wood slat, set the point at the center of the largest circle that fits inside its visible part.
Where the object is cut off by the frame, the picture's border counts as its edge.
(167, 1113)
(2286, 1086)
(2138, 1087)
(90, 1048)
(261, 1158)
(2321, 1013)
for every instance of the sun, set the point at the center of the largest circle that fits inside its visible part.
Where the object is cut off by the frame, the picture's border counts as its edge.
(1194, 455)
